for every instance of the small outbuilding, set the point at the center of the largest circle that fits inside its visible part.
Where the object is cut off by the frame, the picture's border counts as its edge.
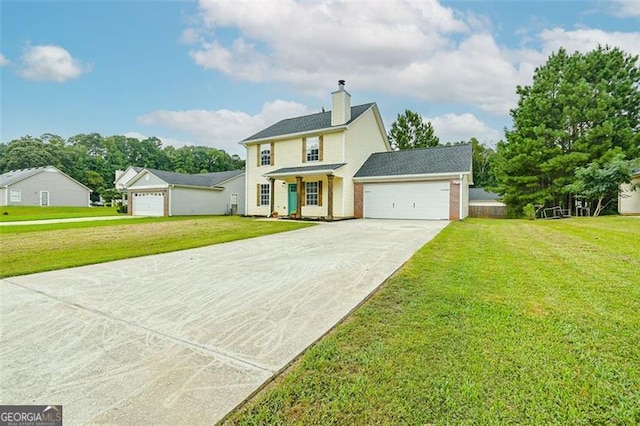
(42, 186)
(629, 199)
(160, 193)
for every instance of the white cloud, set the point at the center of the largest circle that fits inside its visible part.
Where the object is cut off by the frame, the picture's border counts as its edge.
(625, 8)
(51, 63)
(584, 40)
(223, 129)
(3, 61)
(462, 127)
(419, 49)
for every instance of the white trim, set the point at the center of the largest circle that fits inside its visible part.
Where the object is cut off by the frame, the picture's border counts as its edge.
(406, 178)
(300, 173)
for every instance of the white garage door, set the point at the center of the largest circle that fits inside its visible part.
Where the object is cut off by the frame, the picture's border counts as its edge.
(406, 200)
(148, 204)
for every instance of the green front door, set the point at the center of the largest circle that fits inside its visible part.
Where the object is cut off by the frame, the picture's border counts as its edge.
(293, 198)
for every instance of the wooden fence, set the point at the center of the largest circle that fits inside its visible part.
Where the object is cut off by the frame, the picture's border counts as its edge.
(496, 212)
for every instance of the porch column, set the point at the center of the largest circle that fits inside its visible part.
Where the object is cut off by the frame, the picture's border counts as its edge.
(330, 197)
(272, 183)
(299, 197)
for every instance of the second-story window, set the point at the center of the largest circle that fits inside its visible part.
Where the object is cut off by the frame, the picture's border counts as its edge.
(265, 154)
(313, 149)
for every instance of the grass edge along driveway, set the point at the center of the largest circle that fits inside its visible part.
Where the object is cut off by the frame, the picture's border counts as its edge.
(494, 321)
(38, 248)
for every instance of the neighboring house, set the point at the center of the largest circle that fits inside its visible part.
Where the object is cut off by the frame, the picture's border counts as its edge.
(159, 193)
(629, 200)
(310, 166)
(485, 204)
(120, 182)
(428, 183)
(42, 186)
(304, 166)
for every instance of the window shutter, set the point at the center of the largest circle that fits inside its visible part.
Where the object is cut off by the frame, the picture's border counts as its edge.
(304, 150)
(304, 193)
(320, 193)
(273, 154)
(320, 144)
(258, 196)
(258, 149)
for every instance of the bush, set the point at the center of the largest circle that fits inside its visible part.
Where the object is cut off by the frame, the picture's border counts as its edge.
(122, 209)
(529, 211)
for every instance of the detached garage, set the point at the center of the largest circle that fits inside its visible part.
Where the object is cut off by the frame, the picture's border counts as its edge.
(160, 193)
(431, 183)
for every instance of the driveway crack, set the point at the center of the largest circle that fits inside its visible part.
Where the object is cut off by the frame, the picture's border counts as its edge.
(224, 356)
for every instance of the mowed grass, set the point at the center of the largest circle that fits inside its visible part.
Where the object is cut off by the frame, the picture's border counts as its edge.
(493, 322)
(35, 248)
(20, 213)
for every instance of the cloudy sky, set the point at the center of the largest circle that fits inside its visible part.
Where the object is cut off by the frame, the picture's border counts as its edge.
(214, 72)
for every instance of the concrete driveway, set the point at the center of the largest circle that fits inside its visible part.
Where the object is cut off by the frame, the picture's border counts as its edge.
(184, 337)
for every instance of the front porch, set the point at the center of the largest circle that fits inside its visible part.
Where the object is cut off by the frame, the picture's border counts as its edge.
(312, 192)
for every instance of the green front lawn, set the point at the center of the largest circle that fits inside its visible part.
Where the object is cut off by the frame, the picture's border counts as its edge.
(493, 322)
(35, 248)
(18, 213)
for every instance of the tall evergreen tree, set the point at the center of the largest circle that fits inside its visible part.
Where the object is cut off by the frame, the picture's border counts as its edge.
(579, 108)
(410, 131)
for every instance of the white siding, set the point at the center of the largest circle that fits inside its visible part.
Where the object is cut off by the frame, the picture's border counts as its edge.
(363, 138)
(63, 191)
(629, 201)
(196, 201)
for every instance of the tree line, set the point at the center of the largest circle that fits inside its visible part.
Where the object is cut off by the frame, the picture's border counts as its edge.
(92, 159)
(575, 134)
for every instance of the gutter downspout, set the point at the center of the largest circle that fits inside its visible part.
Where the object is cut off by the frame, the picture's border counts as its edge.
(461, 188)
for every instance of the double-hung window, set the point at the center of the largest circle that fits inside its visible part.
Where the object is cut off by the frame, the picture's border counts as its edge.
(313, 149)
(263, 194)
(16, 196)
(265, 154)
(312, 192)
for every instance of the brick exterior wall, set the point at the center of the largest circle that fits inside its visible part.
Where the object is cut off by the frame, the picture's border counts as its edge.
(358, 200)
(454, 200)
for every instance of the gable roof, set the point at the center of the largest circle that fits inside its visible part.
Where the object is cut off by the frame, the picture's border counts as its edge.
(14, 176)
(206, 180)
(306, 123)
(435, 160)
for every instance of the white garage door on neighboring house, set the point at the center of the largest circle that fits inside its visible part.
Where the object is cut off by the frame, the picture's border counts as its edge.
(406, 200)
(148, 204)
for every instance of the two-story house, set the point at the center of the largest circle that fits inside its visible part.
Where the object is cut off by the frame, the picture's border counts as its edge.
(339, 164)
(304, 166)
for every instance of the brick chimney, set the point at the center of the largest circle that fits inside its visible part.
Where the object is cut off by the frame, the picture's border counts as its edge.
(341, 108)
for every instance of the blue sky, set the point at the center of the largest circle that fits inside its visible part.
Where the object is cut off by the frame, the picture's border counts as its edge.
(214, 72)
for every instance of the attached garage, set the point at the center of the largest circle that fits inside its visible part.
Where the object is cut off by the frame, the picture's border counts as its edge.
(406, 200)
(149, 203)
(430, 183)
(161, 193)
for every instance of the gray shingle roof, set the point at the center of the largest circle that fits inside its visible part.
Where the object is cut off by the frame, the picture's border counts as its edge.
(306, 123)
(203, 179)
(479, 194)
(438, 159)
(306, 169)
(14, 176)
